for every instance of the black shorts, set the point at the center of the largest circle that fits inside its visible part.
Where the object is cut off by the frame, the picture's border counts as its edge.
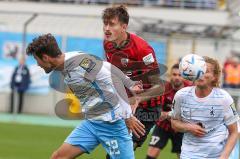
(148, 118)
(160, 138)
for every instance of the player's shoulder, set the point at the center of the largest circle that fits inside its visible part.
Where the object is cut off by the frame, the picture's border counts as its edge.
(185, 91)
(221, 93)
(136, 37)
(167, 85)
(71, 59)
(138, 40)
(77, 59)
(167, 88)
(187, 83)
(72, 54)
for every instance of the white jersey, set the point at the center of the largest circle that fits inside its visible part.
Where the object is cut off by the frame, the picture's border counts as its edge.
(213, 112)
(98, 85)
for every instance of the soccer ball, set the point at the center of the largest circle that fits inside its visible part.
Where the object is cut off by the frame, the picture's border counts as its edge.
(192, 67)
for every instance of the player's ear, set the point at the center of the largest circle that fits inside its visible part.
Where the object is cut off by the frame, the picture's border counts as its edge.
(124, 26)
(215, 80)
(45, 57)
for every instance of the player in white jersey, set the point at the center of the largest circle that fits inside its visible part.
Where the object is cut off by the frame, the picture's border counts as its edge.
(207, 116)
(100, 88)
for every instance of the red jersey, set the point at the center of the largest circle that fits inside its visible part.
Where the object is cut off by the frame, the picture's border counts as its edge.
(136, 58)
(166, 103)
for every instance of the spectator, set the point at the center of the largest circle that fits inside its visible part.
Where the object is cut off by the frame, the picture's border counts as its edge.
(232, 73)
(19, 84)
(226, 63)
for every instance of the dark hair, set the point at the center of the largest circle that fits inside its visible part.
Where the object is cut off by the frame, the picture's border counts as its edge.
(175, 66)
(117, 11)
(44, 44)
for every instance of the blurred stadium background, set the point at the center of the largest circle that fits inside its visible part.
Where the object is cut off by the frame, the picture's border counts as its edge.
(173, 27)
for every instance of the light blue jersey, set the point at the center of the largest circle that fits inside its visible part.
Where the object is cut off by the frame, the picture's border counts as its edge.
(214, 112)
(98, 85)
(100, 88)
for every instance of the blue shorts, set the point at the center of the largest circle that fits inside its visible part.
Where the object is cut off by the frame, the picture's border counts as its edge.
(114, 137)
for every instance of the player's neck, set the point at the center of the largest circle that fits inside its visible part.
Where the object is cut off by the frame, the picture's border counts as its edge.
(122, 38)
(203, 92)
(178, 87)
(59, 62)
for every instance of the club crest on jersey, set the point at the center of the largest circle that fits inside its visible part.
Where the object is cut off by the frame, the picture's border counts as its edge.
(124, 61)
(148, 59)
(212, 112)
(87, 64)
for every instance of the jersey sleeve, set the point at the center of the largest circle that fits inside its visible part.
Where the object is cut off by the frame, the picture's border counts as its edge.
(125, 79)
(150, 72)
(230, 113)
(120, 80)
(176, 110)
(89, 64)
(126, 110)
(147, 56)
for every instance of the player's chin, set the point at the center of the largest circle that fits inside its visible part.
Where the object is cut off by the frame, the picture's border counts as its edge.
(177, 81)
(108, 38)
(200, 82)
(48, 70)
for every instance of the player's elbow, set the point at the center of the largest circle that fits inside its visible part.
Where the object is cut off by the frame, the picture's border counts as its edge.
(54, 155)
(57, 155)
(233, 130)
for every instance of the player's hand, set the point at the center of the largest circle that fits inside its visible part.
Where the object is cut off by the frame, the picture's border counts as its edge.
(136, 104)
(163, 116)
(135, 126)
(138, 87)
(196, 130)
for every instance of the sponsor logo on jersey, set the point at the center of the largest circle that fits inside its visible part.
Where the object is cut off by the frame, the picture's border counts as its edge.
(148, 59)
(124, 61)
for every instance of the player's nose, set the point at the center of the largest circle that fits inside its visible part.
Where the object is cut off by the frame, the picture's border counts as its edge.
(107, 27)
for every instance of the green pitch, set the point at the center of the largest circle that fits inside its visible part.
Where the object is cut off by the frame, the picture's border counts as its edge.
(18, 141)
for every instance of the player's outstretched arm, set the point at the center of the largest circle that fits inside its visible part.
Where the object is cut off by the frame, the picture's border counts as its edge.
(157, 88)
(127, 82)
(231, 141)
(133, 124)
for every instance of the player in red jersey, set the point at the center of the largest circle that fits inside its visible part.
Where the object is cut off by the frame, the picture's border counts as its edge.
(163, 130)
(136, 58)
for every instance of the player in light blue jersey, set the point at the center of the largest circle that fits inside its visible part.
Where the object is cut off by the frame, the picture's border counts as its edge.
(99, 86)
(207, 116)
